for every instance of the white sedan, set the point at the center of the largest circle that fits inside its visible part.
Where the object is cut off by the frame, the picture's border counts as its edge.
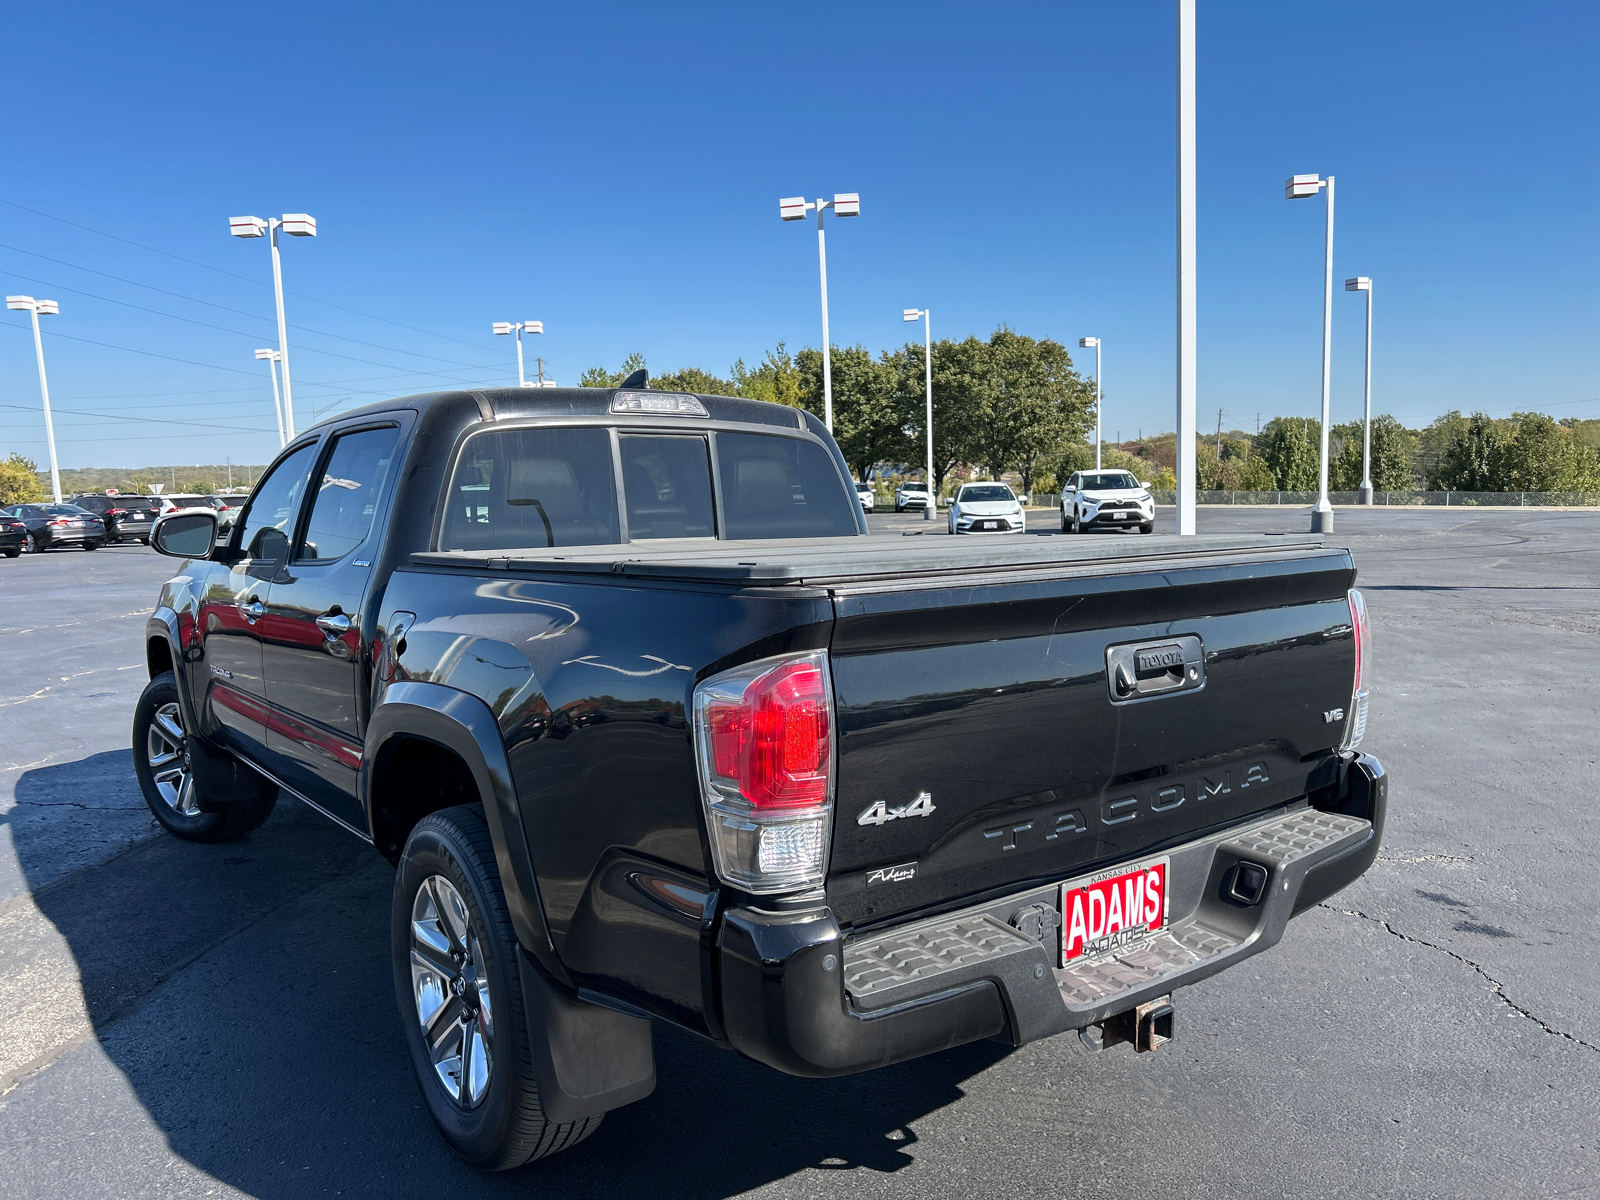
(986, 508)
(1098, 499)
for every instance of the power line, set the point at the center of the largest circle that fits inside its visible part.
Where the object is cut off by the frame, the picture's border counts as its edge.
(246, 278)
(222, 307)
(145, 420)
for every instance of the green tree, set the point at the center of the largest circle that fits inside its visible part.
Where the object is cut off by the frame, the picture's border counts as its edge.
(1393, 451)
(1475, 461)
(1543, 456)
(1291, 448)
(866, 417)
(776, 379)
(1432, 444)
(599, 377)
(19, 481)
(693, 379)
(1030, 403)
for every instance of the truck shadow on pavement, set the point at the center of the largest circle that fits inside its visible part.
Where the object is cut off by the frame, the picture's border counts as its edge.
(244, 992)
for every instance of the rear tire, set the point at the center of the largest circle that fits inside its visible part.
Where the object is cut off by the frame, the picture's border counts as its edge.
(456, 968)
(16, 553)
(161, 763)
(29, 545)
(92, 545)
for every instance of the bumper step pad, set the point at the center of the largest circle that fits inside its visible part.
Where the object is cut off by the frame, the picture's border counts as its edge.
(899, 965)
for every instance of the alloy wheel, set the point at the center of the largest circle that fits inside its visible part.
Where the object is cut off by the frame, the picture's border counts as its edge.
(450, 986)
(167, 752)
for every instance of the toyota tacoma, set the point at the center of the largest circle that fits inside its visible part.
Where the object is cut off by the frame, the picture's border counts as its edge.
(652, 731)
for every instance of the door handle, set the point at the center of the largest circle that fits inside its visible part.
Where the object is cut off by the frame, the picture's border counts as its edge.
(334, 624)
(254, 610)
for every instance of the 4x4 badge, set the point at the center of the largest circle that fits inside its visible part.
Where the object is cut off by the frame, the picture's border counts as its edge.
(881, 814)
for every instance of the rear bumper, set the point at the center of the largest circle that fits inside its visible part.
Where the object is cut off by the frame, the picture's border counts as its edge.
(801, 996)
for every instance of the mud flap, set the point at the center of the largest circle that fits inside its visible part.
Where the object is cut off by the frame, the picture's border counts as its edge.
(588, 1060)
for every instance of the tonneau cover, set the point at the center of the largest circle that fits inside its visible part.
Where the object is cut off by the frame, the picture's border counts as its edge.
(854, 559)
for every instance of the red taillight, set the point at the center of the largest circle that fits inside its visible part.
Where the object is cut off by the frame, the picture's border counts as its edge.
(116, 512)
(774, 742)
(1356, 720)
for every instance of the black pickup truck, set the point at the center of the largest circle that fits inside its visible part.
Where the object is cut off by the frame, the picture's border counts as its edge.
(654, 731)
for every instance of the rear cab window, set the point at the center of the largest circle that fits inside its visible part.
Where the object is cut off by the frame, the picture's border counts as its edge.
(551, 486)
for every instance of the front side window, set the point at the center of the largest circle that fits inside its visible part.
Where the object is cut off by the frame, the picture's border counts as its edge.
(523, 488)
(347, 497)
(781, 487)
(269, 523)
(667, 480)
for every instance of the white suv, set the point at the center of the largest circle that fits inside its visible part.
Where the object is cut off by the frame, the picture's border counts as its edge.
(911, 495)
(864, 494)
(987, 508)
(1106, 498)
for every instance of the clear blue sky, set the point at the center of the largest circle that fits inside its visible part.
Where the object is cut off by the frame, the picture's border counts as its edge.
(614, 171)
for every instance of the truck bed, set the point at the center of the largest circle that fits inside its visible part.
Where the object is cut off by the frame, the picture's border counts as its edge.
(844, 560)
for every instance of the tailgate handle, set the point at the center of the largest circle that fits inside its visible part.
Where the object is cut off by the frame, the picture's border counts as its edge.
(1147, 670)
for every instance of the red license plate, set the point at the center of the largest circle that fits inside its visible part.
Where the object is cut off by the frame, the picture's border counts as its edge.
(1113, 912)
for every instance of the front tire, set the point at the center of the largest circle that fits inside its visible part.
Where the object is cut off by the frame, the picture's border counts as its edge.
(161, 755)
(458, 981)
(1148, 527)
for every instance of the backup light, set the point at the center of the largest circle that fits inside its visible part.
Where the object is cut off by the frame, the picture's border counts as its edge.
(672, 404)
(1356, 721)
(764, 744)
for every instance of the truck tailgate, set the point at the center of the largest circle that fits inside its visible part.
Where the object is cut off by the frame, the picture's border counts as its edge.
(992, 694)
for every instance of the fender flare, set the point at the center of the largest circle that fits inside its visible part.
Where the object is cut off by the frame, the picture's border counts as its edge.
(463, 724)
(163, 624)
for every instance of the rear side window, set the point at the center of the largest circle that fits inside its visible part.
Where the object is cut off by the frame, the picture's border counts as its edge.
(518, 488)
(667, 481)
(780, 487)
(347, 497)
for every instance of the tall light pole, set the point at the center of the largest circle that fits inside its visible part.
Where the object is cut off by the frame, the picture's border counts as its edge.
(1299, 187)
(34, 309)
(925, 315)
(1085, 343)
(518, 328)
(295, 225)
(795, 208)
(1363, 284)
(271, 357)
(1184, 449)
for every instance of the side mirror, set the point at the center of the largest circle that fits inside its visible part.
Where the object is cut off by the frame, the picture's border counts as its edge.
(1145, 484)
(185, 535)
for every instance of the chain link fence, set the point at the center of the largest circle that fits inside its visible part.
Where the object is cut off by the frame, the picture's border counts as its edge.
(1440, 499)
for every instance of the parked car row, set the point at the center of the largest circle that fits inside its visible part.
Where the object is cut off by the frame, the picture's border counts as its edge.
(93, 520)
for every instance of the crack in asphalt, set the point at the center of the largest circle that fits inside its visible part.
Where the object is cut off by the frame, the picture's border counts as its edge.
(1495, 985)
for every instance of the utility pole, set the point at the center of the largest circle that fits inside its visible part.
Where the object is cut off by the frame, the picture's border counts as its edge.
(1219, 435)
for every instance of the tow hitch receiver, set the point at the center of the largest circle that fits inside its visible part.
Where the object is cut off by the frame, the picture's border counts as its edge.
(1148, 1027)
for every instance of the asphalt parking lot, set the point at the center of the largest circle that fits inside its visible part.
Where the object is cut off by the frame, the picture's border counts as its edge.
(219, 1021)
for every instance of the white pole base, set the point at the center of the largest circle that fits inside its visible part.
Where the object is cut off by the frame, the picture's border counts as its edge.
(1322, 522)
(1366, 494)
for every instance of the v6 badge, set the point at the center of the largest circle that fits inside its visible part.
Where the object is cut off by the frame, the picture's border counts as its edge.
(881, 814)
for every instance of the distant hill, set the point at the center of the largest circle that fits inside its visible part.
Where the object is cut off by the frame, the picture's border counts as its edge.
(139, 479)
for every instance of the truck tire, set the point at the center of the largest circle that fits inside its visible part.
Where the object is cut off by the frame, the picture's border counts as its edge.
(457, 979)
(161, 764)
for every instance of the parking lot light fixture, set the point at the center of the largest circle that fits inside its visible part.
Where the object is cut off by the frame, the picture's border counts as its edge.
(1362, 283)
(1085, 343)
(271, 357)
(506, 328)
(926, 317)
(35, 309)
(795, 208)
(1302, 187)
(295, 225)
